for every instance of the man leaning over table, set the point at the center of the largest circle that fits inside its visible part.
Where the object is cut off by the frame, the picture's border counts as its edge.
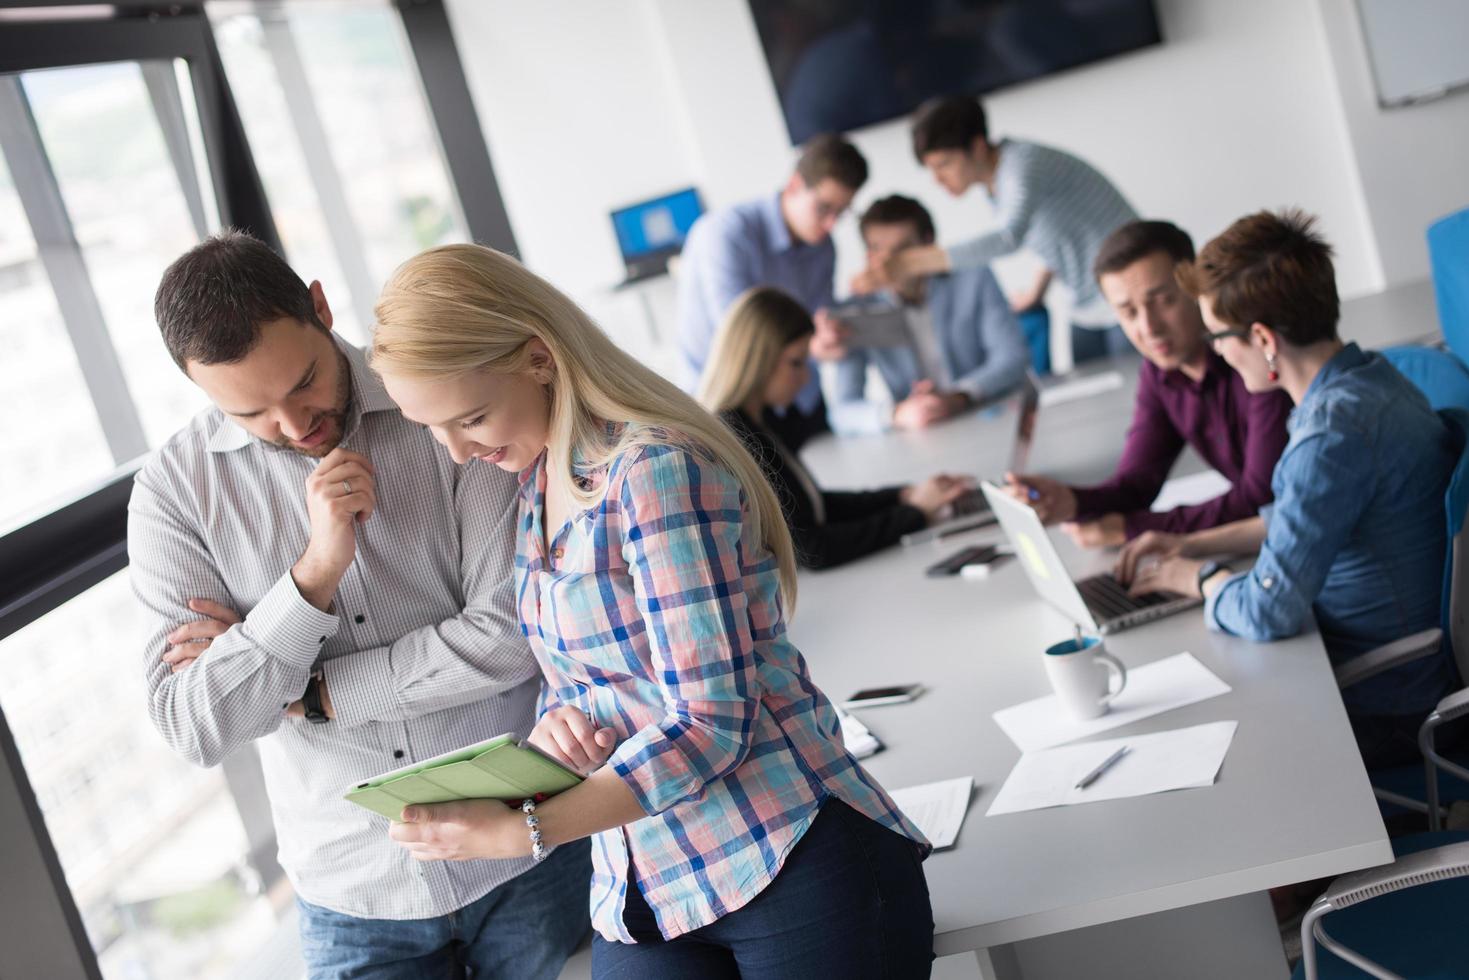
(1048, 202)
(319, 579)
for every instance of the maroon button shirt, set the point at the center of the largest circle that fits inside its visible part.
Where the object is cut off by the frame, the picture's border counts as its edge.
(1238, 433)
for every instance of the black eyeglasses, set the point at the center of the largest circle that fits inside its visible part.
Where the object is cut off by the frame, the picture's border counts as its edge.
(1214, 338)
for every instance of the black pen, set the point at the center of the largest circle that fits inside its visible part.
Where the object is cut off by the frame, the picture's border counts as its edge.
(1096, 773)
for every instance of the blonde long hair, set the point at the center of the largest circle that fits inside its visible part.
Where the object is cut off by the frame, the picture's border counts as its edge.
(760, 324)
(457, 309)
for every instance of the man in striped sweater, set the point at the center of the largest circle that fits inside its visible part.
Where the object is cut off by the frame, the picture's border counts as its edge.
(1047, 201)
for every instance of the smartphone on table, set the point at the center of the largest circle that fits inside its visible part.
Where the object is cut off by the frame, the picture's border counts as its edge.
(977, 554)
(871, 697)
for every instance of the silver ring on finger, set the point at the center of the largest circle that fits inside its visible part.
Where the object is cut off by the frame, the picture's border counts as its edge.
(346, 487)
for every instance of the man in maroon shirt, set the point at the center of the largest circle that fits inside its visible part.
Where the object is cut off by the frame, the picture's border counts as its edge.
(1186, 394)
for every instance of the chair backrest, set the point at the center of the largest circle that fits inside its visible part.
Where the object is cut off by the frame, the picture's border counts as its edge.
(1448, 256)
(1442, 377)
(1456, 573)
(1444, 381)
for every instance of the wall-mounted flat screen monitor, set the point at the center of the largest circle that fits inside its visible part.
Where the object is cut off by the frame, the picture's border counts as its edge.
(843, 65)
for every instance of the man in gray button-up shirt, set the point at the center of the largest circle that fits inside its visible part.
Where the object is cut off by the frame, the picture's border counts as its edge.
(318, 577)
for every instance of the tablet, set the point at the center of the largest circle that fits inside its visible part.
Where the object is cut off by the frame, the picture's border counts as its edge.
(501, 768)
(874, 325)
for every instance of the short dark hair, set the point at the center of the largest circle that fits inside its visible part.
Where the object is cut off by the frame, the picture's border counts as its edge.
(1270, 268)
(949, 123)
(895, 209)
(1139, 239)
(829, 155)
(214, 298)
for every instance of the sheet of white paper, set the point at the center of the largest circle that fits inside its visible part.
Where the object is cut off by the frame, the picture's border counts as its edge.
(856, 736)
(937, 808)
(1185, 491)
(1151, 689)
(1092, 384)
(1156, 763)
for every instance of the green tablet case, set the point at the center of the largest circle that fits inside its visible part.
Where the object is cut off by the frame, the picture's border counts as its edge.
(501, 768)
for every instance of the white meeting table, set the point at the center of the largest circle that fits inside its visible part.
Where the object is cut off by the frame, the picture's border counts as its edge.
(1164, 885)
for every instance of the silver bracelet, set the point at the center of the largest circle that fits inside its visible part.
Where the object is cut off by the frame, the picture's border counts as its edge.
(537, 849)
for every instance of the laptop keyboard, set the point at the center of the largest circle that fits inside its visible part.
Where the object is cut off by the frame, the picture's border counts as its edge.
(1108, 599)
(969, 502)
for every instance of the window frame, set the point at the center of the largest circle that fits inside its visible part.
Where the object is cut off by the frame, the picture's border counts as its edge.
(53, 559)
(57, 557)
(75, 545)
(456, 123)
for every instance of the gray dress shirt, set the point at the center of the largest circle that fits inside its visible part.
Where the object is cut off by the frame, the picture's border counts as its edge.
(422, 654)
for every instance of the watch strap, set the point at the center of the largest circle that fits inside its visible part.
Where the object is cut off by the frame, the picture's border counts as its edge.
(1208, 570)
(311, 699)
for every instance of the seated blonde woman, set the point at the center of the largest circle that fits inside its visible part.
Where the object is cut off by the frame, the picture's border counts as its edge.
(733, 834)
(759, 364)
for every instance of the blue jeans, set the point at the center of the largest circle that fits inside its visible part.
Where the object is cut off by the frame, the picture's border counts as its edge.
(1035, 324)
(1091, 343)
(525, 928)
(851, 901)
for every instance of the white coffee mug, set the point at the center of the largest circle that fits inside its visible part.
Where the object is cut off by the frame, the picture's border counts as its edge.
(1079, 669)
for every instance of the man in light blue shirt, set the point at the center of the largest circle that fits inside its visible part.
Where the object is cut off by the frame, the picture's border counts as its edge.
(966, 345)
(783, 240)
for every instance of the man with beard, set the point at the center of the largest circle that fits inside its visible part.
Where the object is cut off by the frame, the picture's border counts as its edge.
(319, 578)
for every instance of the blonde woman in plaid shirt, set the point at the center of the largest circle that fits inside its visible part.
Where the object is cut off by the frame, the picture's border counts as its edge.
(733, 834)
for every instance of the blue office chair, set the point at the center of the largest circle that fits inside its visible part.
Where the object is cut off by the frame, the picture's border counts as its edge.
(1404, 919)
(1442, 377)
(1448, 256)
(1399, 787)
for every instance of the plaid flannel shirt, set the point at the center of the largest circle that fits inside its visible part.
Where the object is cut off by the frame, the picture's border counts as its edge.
(657, 614)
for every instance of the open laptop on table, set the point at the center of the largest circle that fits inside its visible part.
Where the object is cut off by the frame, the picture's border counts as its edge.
(1099, 602)
(971, 510)
(651, 232)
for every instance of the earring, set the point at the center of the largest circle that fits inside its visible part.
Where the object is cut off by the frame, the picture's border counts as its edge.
(1274, 375)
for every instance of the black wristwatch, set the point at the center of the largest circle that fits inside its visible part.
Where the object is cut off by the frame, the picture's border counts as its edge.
(1208, 570)
(311, 699)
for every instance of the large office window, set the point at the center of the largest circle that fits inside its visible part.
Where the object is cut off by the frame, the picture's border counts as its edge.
(154, 849)
(103, 136)
(115, 174)
(89, 175)
(104, 179)
(127, 133)
(356, 180)
(44, 458)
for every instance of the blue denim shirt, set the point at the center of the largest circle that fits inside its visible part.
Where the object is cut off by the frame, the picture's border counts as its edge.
(1357, 532)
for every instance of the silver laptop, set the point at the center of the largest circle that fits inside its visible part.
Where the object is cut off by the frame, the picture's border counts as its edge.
(971, 510)
(1100, 602)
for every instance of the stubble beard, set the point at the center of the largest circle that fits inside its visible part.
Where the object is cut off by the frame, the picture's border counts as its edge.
(337, 417)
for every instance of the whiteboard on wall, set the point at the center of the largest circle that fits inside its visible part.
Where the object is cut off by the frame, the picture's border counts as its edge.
(1419, 49)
